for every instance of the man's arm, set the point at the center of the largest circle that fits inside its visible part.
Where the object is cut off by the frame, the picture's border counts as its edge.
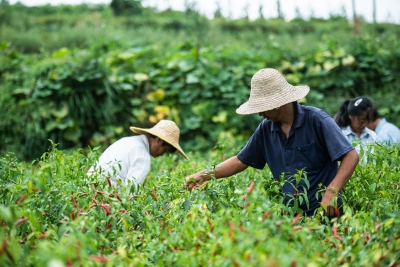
(345, 171)
(227, 168)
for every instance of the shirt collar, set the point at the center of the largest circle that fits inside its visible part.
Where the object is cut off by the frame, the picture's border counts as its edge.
(145, 141)
(298, 118)
(347, 131)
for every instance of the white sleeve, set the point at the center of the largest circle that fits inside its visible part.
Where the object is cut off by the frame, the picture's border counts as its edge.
(139, 166)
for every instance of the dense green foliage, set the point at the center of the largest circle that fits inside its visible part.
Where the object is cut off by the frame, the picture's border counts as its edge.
(80, 76)
(52, 214)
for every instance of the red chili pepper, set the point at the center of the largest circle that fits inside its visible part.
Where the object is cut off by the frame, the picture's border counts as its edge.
(296, 219)
(337, 212)
(21, 199)
(265, 216)
(98, 258)
(43, 235)
(211, 225)
(106, 207)
(73, 215)
(80, 212)
(203, 185)
(92, 206)
(244, 230)
(20, 221)
(74, 201)
(154, 194)
(250, 187)
(118, 197)
(108, 181)
(215, 250)
(335, 235)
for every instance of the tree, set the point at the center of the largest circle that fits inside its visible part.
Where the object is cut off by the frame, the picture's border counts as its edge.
(260, 11)
(218, 11)
(374, 10)
(280, 14)
(126, 7)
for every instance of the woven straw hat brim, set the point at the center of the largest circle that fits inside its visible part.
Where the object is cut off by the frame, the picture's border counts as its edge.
(160, 134)
(261, 103)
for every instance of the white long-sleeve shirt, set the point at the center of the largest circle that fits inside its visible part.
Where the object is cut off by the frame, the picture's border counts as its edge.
(128, 159)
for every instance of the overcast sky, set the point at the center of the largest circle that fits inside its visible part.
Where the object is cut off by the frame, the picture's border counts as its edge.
(386, 10)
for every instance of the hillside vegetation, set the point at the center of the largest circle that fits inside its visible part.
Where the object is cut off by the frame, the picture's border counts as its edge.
(80, 75)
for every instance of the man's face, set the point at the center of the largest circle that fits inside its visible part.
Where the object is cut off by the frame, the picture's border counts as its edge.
(157, 148)
(272, 115)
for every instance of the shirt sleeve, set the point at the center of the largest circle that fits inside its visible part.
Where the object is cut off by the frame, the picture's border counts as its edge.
(388, 134)
(139, 166)
(251, 154)
(335, 141)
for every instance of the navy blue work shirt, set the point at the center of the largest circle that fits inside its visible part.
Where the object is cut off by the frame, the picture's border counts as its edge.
(315, 143)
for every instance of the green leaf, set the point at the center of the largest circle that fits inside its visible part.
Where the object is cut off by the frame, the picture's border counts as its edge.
(61, 53)
(72, 134)
(6, 213)
(186, 205)
(60, 112)
(372, 187)
(140, 77)
(191, 78)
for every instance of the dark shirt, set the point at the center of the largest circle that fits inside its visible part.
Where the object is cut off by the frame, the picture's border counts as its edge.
(315, 144)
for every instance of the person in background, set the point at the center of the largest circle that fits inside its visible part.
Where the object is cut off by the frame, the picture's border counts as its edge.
(291, 137)
(353, 117)
(386, 132)
(129, 158)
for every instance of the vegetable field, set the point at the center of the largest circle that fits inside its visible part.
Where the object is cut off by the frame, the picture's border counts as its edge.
(52, 214)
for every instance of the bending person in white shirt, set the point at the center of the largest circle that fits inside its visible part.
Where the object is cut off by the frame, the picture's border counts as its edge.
(129, 158)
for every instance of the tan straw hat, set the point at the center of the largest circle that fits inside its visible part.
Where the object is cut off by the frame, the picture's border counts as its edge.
(270, 90)
(166, 130)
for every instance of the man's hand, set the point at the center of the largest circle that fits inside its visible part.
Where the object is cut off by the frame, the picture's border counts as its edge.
(190, 183)
(327, 204)
(193, 181)
(227, 168)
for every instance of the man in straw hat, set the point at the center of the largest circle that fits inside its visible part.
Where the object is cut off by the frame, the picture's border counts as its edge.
(128, 159)
(292, 137)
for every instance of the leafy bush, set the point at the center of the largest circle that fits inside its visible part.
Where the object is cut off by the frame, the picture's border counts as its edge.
(90, 97)
(52, 213)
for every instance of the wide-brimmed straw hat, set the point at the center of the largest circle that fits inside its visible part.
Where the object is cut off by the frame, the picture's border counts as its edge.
(166, 130)
(270, 90)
